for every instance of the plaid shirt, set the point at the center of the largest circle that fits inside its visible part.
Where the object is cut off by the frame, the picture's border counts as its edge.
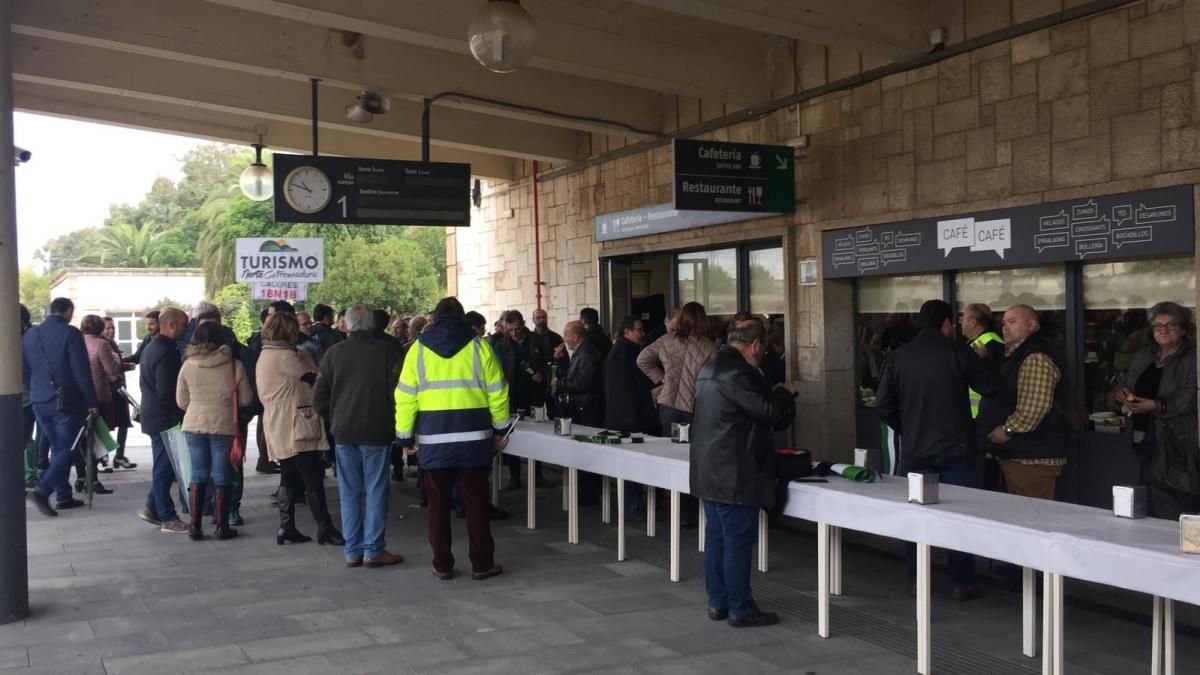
(1036, 381)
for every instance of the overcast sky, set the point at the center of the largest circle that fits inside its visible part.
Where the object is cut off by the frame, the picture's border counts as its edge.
(79, 168)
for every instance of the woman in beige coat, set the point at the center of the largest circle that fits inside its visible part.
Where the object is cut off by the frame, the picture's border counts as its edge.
(295, 433)
(205, 389)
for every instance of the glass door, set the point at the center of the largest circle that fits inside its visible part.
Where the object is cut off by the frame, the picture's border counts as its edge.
(619, 293)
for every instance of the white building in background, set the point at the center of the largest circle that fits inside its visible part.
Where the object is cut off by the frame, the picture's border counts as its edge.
(126, 294)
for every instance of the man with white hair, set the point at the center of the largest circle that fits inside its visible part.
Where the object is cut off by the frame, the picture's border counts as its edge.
(354, 393)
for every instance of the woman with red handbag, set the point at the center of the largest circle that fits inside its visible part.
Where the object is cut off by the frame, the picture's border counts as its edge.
(209, 387)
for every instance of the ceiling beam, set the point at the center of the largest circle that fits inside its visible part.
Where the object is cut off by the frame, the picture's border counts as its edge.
(274, 100)
(229, 128)
(600, 46)
(206, 34)
(891, 29)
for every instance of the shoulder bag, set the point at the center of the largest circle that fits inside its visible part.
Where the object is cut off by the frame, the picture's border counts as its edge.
(236, 451)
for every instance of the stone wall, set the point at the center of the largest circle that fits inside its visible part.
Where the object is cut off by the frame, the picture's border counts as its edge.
(1106, 104)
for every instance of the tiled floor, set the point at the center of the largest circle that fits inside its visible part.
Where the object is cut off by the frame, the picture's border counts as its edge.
(113, 595)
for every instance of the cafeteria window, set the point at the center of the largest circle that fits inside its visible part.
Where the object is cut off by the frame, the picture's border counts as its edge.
(1116, 297)
(767, 292)
(887, 318)
(711, 279)
(1042, 288)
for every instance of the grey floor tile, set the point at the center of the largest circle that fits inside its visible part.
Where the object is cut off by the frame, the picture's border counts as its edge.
(308, 665)
(177, 661)
(305, 644)
(14, 657)
(75, 653)
(396, 658)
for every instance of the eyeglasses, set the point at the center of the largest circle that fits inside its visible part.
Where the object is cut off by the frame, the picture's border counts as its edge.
(1163, 327)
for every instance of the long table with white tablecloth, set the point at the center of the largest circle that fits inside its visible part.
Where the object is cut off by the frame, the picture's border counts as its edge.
(1060, 540)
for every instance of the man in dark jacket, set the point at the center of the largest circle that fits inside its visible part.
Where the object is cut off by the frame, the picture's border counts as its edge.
(322, 328)
(158, 376)
(151, 319)
(594, 331)
(733, 467)
(356, 394)
(524, 362)
(923, 396)
(55, 372)
(628, 401)
(581, 368)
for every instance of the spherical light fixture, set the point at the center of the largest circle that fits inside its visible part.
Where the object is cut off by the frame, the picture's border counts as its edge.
(502, 36)
(257, 181)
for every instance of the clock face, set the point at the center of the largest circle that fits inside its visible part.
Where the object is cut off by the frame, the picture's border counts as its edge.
(307, 189)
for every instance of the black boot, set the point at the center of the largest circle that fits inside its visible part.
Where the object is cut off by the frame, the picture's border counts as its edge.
(224, 531)
(326, 532)
(196, 531)
(287, 520)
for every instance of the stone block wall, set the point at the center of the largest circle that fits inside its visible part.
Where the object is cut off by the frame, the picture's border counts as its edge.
(1105, 104)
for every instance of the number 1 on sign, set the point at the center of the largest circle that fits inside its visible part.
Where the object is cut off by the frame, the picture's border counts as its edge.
(342, 201)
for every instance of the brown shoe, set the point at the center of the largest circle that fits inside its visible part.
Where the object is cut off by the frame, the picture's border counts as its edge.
(176, 526)
(354, 562)
(496, 571)
(384, 559)
(965, 593)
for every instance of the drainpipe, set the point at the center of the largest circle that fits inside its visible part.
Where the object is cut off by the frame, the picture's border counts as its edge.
(537, 236)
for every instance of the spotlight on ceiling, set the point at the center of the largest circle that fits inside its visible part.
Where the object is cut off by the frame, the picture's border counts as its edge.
(502, 35)
(367, 105)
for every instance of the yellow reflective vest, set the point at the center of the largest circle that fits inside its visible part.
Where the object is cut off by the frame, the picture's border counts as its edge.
(973, 395)
(450, 398)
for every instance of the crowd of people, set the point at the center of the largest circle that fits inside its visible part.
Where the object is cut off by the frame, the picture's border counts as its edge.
(362, 394)
(994, 409)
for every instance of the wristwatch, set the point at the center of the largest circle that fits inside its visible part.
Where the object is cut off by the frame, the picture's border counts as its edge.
(1009, 431)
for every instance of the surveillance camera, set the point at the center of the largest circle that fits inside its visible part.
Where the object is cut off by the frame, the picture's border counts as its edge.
(374, 102)
(20, 155)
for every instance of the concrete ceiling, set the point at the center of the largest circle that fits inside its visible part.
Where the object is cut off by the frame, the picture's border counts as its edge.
(223, 68)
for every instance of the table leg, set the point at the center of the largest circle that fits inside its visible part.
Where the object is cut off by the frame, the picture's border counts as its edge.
(1058, 624)
(620, 519)
(1028, 612)
(531, 494)
(924, 641)
(1047, 624)
(605, 501)
(1168, 636)
(675, 535)
(763, 541)
(651, 511)
(701, 525)
(497, 468)
(573, 507)
(566, 492)
(1156, 638)
(823, 579)
(835, 561)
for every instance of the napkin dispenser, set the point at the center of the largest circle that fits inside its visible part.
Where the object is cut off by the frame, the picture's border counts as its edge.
(866, 458)
(1129, 501)
(680, 433)
(1189, 533)
(562, 426)
(923, 488)
(539, 413)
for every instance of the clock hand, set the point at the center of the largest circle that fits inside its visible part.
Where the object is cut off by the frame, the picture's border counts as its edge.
(301, 184)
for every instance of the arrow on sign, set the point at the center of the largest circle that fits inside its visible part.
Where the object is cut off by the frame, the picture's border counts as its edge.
(782, 162)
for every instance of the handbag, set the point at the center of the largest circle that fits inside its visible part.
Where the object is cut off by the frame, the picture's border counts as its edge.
(236, 451)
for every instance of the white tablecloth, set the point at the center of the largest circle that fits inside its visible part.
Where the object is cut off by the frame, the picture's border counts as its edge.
(1075, 541)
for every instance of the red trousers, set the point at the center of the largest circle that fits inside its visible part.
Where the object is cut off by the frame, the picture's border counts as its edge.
(473, 487)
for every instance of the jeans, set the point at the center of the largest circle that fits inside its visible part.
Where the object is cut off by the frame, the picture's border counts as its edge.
(210, 458)
(363, 470)
(961, 565)
(439, 483)
(730, 533)
(61, 427)
(162, 474)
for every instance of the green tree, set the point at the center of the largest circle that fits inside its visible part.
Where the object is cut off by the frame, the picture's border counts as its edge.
(70, 250)
(218, 242)
(127, 245)
(432, 241)
(35, 292)
(394, 275)
(237, 309)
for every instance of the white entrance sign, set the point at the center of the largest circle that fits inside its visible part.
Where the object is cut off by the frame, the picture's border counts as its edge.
(280, 260)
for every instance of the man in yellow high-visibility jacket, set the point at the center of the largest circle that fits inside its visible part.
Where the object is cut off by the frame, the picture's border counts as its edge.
(452, 403)
(976, 325)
